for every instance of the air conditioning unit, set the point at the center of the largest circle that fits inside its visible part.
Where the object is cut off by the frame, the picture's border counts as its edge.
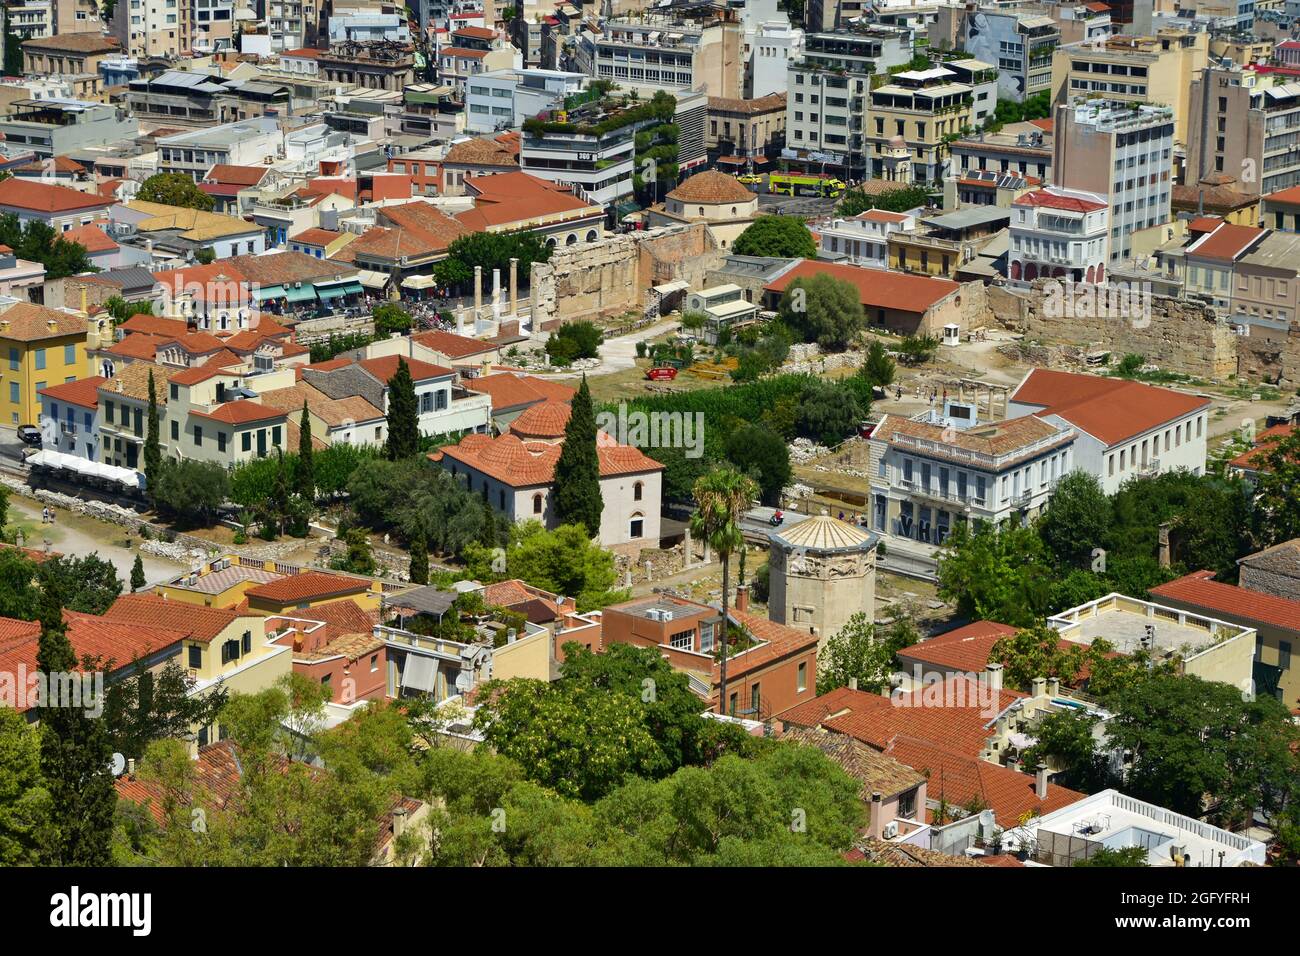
(890, 831)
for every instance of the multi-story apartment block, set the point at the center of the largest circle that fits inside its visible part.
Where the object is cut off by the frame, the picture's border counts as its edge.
(53, 126)
(38, 347)
(473, 51)
(1156, 70)
(503, 99)
(1058, 232)
(1245, 126)
(371, 65)
(70, 417)
(1022, 148)
(148, 28)
(596, 161)
(30, 20)
(1019, 44)
(935, 471)
(1122, 151)
(923, 108)
(289, 23)
(1266, 287)
(864, 239)
(745, 130)
(670, 53)
(827, 95)
(246, 143)
(213, 26)
(76, 54)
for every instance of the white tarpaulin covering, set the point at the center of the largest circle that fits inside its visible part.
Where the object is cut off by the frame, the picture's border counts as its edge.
(420, 673)
(84, 466)
(373, 280)
(417, 282)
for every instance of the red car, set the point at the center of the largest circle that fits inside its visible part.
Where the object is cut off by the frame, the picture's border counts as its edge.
(661, 373)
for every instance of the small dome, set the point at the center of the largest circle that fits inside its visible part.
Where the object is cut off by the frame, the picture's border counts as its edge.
(824, 533)
(543, 420)
(712, 188)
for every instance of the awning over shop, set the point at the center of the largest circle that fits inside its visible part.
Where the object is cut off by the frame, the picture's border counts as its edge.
(304, 294)
(420, 673)
(417, 282)
(373, 280)
(334, 290)
(626, 207)
(46, 458)
(268, 292)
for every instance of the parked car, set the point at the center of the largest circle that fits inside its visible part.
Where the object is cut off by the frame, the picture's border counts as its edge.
(29, 435)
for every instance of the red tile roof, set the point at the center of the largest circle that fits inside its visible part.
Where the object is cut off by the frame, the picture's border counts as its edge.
(242, 412)
(521, 464)
(91, 237)
(84, 392)
(506, 198)
(316, 237)
(47, 198)
(877, 288)
(544, 420)
(1231, 602)
(1252, 459)
(385, 367)
(307, 586)
(236, 175)
(960, 779)
(155, 325)
(1226, 243)
(964, 649)
(1112, 410)
(452, 345)
(956, 713)
(197, 622)
(1051, 200)
(510, 390)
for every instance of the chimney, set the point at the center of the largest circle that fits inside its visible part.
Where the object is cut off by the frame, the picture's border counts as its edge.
(1053, 686)
(1040, 782)
(853, 683)
(1164, 545)
(875, 823)
(742, 598)
(1038, 687)
(130, 767)
(993, 677)
(399, 822)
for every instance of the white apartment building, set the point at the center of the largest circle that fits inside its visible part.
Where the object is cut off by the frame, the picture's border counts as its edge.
(503, 99)
(154, 27)
(864, 239)
(249, 142)
(663, 53)
(1124, 152)
(1125, 429)
(601, 166)
(1058, 232)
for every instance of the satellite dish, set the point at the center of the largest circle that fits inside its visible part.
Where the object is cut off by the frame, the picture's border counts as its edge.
(986, 818)
(117, 765)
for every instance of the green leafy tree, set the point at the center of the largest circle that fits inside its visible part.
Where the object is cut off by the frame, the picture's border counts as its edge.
(879, 369)
(1277, 489)
(358, 558)
(781, 237)
(563, 561)
(822, 309)
(403, 414)
(174, 189)
(152, 449)
(575, 493)
(996, 575)
(1077, 520)
(574, 340)
(1128, 856)
(905, 198)
(137, 575)
(917, 349)
(304, 469)
(419, 561)
(1198, 745)
(1064, 740)
(75, 755)
(763, 455)
(25, 805)
(86, 584)
(828, 412)
(145, 706)
(191, 492)
(721, 498)
(17, 585)
(38, 242)
(390, 318)
(854, 652)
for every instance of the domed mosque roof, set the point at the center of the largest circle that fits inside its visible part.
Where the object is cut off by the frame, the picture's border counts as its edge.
(822, 533)
(711, 187)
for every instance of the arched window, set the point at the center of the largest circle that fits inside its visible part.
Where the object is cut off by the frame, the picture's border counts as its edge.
(701, 210)
(537, 503)
(733, 210)
(550, 241)
(572, 240)
(591, 235)
(636, 526)
(1092, 274)
(1015, 271)
(637, 488)
(1031, 272)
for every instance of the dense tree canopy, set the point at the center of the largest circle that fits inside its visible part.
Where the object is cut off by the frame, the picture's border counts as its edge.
(822, 309)
(174, 189)
(781, 237)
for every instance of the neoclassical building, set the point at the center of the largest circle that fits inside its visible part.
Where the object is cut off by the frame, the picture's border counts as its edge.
(714, 198)
(822, 572)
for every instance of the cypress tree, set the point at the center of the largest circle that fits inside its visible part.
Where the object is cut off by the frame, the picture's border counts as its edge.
(419, 561)
(305, 477)
(75, 754)
(137, 575)
(152, 450)
(576, 491)
(403, 416)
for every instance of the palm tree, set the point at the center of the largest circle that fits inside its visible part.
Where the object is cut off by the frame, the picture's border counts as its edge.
(721, 497)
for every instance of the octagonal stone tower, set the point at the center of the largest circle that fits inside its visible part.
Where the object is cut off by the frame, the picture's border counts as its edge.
(822, 572)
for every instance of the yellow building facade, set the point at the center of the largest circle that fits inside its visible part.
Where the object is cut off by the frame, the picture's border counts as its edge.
(38, 347)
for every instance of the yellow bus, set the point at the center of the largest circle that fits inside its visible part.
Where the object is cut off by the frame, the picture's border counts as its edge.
(804, 184)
